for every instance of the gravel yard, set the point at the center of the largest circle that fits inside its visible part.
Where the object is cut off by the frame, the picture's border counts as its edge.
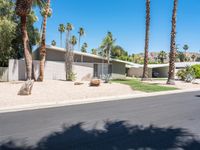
(53, 91)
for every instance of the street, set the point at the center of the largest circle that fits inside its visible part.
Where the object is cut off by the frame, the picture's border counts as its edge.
(161, 122)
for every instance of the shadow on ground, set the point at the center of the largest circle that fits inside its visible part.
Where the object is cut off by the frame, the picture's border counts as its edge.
(116, 136)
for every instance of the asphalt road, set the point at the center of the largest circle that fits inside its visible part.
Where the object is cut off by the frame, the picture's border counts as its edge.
(161, 122)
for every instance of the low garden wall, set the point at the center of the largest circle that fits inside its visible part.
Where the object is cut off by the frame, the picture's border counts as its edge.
(3, 74)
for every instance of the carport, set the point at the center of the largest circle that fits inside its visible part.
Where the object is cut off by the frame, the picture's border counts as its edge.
(160, 69)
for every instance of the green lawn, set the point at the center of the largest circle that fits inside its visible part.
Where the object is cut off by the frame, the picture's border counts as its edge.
(144, 87)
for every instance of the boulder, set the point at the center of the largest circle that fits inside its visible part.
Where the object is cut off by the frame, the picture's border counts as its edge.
(26, 88)
(87, 77)
(196, 81)
(95, 82)
(78, 83)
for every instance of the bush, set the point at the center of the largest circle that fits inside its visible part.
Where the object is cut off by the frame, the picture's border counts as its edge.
(72, 76)
(181, 74)
(196, 69)
(186, 74)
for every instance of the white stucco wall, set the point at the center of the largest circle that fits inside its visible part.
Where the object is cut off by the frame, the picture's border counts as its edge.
(53, 70)
(4, 74)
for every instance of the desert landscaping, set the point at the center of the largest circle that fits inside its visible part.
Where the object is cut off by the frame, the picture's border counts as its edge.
(54, 92)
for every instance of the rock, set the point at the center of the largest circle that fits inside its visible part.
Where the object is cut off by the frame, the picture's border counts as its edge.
(95, 82)
(197, 81)
(87, 77)
(78, 83)
(26, 88)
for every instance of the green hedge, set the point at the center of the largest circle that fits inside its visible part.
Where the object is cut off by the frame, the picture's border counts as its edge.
(196, 69)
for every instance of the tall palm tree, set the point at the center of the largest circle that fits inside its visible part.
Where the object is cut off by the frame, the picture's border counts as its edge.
(69, 28)
(107, 46)
(23, 8)
(185, 47)
(73, 41)
(171, 74)
(69, 54)
(61, 29)
(84, 48)
(146, 49)
(81, 32)
(53, 43)
(46, 12)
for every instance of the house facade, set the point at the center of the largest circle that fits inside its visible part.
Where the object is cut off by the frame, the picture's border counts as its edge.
(97, 65)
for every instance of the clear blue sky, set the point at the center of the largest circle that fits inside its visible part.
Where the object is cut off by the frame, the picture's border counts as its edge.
(126, 20)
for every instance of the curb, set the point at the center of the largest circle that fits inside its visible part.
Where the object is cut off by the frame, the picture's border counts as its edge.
(90, 100)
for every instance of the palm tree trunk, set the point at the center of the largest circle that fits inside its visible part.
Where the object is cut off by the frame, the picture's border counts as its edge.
(67, 56)
(79, 42)
(27, 51)
(43, 44)
(171, 74)
(79, 45)
(145, 68)
(60, 39)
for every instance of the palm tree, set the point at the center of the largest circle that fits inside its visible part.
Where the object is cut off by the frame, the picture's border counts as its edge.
(193, 57)
(61, 29)
(53, 43)
(146, 49)
(73, 41)
(46, 12)
(171, 74)
(185, 47)
(107, 45)
(162, 56)
(81, 32)
(69, 28)
(84, 48)
(94, 51)
(23, 8)
(69, 54)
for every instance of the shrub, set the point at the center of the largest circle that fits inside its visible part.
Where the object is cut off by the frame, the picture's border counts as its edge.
(186, 74)
(72, 76)
(196, 69)
(181, 74)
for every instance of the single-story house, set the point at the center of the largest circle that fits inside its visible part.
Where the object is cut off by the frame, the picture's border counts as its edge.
(96, 64)
(161, 69)
(85, 67)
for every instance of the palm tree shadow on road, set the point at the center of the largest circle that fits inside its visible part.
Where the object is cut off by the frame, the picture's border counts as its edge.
(118, 135)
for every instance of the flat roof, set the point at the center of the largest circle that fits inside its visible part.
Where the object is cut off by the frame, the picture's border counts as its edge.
(85, 54)
(128, 64)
